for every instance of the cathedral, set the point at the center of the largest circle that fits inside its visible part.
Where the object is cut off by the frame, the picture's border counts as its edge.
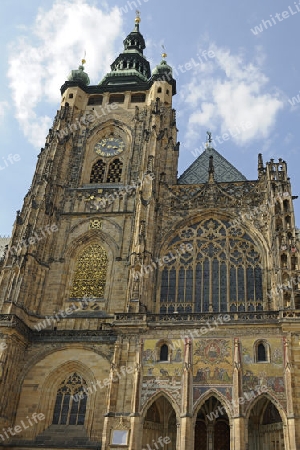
(141, 310)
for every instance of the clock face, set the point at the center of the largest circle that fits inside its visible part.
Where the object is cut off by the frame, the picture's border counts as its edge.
(110, 146)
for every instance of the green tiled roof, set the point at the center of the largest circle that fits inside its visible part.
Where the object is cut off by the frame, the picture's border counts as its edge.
(197, 172)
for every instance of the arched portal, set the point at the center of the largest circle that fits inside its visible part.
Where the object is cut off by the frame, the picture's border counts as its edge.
(265, 427)
(160, 427)
(212, 431)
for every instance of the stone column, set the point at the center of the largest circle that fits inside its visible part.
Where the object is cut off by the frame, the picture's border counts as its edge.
(290, 435)
(186, 440)
(112, 393)
(136, 433)
(237, 430)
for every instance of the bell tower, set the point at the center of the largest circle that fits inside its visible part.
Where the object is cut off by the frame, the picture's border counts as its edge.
(88, 218)
(87, 226)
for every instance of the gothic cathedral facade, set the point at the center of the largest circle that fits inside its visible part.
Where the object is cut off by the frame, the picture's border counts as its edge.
(140, 310)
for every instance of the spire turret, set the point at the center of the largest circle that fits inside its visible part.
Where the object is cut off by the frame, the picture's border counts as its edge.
(164, 72)
(131, 63)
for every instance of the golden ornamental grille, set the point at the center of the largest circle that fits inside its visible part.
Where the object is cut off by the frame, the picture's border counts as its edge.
(98, 171)
(115, 171)
(90, 273)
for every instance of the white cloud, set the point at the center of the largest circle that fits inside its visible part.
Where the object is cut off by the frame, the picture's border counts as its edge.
(3, 108)
(41, 60)
(232, 94)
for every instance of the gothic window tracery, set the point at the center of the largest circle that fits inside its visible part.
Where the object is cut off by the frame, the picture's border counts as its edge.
(90, 273)
(70, 405)
(222, 273)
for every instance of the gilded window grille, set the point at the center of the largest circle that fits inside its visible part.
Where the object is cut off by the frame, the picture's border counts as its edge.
(70, 404)
(222, 273)
(98, 172)
(90, 273)
(115, 171)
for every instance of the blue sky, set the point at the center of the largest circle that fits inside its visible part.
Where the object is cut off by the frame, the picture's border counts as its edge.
(237, 70)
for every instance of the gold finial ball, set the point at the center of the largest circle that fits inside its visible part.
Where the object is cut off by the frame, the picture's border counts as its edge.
(137, 19)
(83, 61)
(164, 55)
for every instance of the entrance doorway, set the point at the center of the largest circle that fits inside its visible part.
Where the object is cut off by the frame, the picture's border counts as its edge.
(265, 427)
(160, 423)
(212, 431)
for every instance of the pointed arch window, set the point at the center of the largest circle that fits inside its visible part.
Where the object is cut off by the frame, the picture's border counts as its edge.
(98, 172)
(115, 171)
(90, 273)
(222, 272)
(70, 404)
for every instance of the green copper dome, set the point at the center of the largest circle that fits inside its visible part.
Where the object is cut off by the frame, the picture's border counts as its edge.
(79, 75)
(162, 68)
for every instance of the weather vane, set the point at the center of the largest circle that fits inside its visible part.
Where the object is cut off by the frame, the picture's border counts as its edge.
(209, 138)
(138, 16)
(83, 61)
(164, 54)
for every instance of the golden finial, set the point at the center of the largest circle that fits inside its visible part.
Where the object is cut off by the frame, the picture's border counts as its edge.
(83, 61)
(137, 17)
(164, 54)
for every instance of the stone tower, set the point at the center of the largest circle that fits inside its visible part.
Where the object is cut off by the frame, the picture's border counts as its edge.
(139, 310)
